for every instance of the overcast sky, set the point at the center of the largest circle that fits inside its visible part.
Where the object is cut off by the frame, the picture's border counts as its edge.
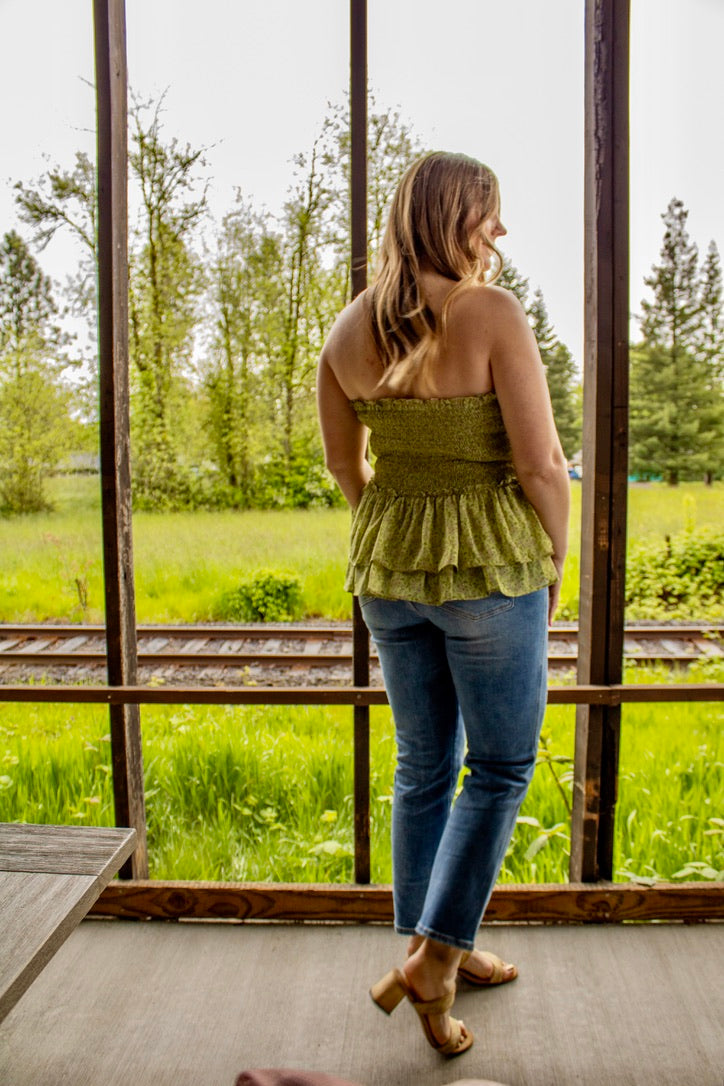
(501, 81)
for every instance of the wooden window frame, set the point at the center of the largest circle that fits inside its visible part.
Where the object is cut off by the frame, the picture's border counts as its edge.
(599, 693)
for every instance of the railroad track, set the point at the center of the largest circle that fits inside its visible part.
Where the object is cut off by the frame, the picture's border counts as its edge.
(261, 650)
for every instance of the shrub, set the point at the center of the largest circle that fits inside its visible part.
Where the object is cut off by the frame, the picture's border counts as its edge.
(268, 596)
(681, 578)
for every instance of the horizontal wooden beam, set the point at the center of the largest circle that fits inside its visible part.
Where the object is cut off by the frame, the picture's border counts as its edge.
(335, 695)
(550, 904)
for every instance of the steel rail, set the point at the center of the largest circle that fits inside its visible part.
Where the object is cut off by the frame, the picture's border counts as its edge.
(268, 631)
(23, 650)
(280, 659)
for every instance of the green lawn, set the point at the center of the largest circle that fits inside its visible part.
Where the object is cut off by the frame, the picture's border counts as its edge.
(228, 792)
(229, 797)
(185, 562)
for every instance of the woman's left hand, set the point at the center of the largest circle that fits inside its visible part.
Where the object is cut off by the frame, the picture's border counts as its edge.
(554, 590)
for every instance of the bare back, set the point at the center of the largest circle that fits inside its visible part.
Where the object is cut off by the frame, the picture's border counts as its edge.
(463, 367)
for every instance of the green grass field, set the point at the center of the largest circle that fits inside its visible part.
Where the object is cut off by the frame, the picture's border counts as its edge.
(228, 789)
(185, 562)
(265, 793)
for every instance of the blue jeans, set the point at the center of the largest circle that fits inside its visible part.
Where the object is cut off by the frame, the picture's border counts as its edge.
(466, 671)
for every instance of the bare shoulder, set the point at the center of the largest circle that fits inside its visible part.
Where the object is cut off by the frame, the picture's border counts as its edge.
(349, 327)
(485, 317)
(488, 302)
(350, 352)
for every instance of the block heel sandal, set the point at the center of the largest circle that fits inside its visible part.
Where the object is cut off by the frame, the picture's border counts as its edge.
(394, 986)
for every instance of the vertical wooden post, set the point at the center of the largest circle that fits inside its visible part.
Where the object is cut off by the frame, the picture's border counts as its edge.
(605, 434)
(111, 98)
(358, 231)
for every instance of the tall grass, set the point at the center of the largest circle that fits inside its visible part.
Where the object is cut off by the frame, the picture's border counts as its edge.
(265, 793)
(186, 562)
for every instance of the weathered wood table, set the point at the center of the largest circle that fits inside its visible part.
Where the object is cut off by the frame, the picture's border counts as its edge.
(49, 878)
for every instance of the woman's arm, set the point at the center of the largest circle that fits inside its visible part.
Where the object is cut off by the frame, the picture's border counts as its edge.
(520, 384)
(343, 435)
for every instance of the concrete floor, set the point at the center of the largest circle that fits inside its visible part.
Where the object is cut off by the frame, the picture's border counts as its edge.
(193, 1004)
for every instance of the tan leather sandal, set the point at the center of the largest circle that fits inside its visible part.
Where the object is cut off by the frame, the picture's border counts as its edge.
(388, 992)
(498, 976)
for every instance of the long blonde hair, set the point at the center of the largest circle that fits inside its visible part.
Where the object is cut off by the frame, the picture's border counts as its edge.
(428, 222)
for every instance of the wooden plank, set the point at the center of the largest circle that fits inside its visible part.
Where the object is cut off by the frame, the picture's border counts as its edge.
(64, 850)
(39, 911)
(605, 434)
(358, 144)
(111, 94)
(568, 903)
(358, 264)
(5, 646)
(335, 695)
(49, 878)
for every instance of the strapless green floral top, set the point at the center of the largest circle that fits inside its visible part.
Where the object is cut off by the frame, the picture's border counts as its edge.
(444, 516)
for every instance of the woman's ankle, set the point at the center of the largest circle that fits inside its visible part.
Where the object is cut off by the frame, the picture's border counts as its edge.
(434, 960)
(414, 944)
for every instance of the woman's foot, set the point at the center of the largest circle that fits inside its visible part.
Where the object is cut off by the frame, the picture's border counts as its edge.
(478, 967)
(430, 972)
(483, 968)
(445, 1034)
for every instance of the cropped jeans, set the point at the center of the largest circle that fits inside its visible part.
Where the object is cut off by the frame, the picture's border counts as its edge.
(463, 674)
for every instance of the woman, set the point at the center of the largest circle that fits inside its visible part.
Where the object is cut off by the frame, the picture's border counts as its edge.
(457, 549)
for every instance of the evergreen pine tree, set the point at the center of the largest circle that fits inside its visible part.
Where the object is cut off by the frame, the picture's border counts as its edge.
(561, 376)
(512, 280)
(711, 357)
(711, 326)
(676, 408)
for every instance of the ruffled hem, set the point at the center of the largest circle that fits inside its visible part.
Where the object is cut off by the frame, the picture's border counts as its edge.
(450, 583)
(481, 526)
(462, 544)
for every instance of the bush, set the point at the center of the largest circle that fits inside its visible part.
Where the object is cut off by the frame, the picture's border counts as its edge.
(304, 483)
(682, 578)
(268, 596)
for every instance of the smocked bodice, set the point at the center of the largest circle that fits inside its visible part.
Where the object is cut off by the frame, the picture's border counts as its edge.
(444, 516)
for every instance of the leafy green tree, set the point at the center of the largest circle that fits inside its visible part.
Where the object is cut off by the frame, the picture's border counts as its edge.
(165, 282)
(677, 411)
(245, 299)
(316, 276)
(307, 303)
(165, 285)
(66, 199)
(34, 415)
(392, 146)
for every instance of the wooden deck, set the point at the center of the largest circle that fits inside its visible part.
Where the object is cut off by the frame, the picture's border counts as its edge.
(192, 1004)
